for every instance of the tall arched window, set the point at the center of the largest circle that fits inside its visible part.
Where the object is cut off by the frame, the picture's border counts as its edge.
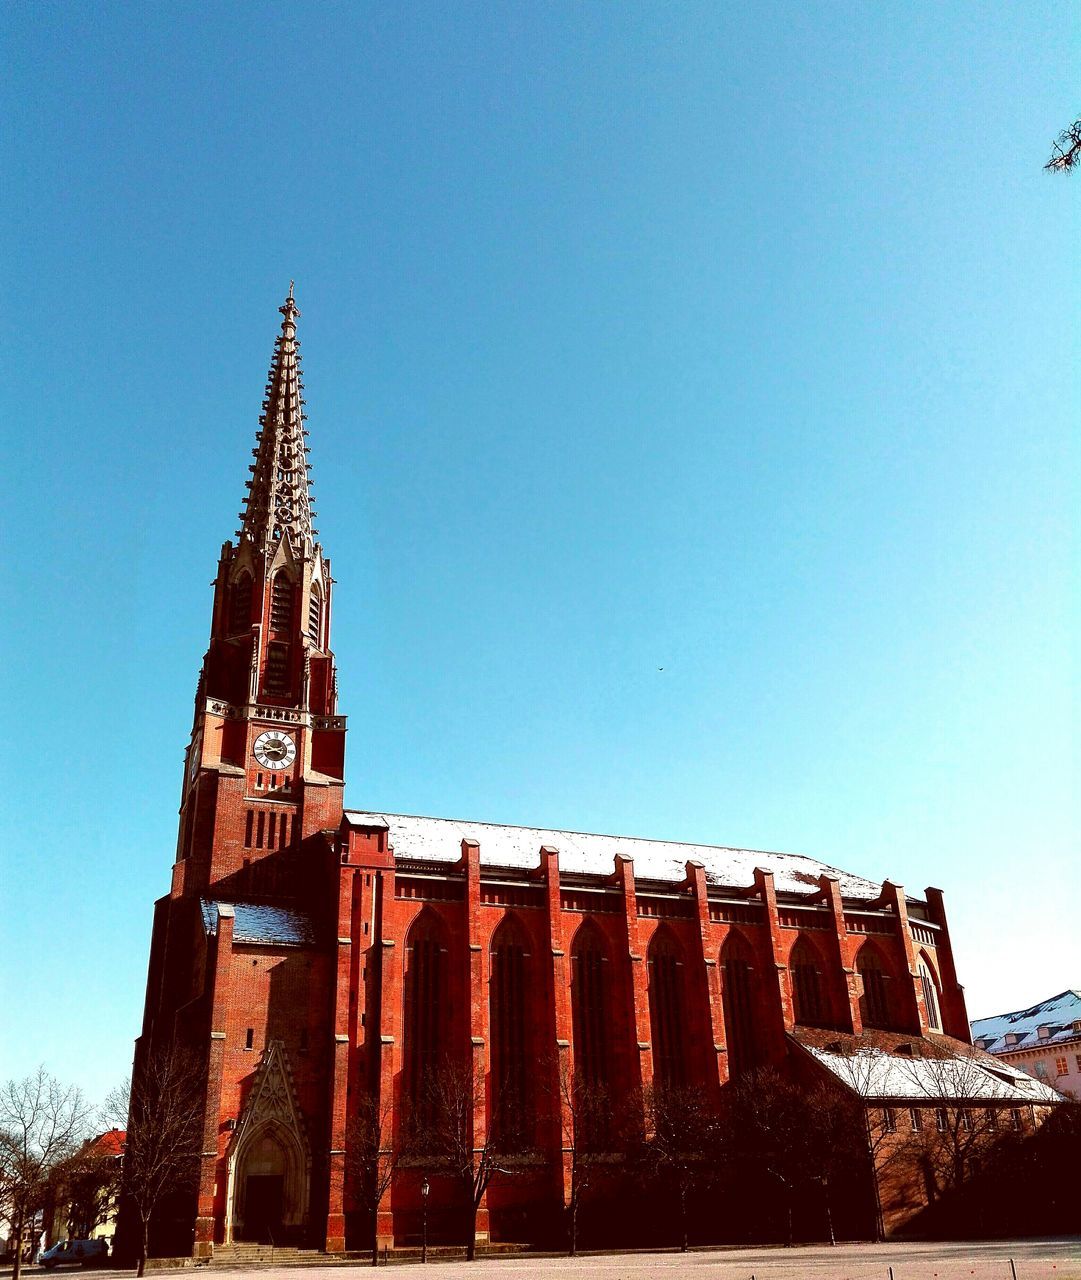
(240, 605)
(281, 602)
(875, 1001)
(507, 994)
(426, 1013)
(666, 1009)
(589, 1006)
(807, 995)
(929, 983)
(737, 998)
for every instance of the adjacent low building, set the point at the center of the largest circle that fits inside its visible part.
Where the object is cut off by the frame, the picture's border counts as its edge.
(934, 1108)
(1044, 1040)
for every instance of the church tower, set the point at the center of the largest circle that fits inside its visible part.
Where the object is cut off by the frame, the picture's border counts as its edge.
(242, 977)
(265, 762)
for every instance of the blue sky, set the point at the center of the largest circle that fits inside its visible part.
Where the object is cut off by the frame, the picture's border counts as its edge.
(740, 341)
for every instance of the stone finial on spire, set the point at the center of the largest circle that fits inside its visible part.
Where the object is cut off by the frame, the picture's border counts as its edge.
(278, 504)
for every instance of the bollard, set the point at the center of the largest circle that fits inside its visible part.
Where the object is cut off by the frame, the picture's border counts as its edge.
(891, 1273)
(1013, 1270)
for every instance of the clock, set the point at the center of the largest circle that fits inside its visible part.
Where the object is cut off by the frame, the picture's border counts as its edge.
(195, 755)
(275, 750)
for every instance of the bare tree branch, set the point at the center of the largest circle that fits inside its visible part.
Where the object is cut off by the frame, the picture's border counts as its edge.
(372, 1157)
(164, 1136)
(445, 1136)
(1066, 150)
(42, 1123)
(585, 1109)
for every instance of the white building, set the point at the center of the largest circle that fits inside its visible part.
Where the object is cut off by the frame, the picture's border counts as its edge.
(1044, 1040)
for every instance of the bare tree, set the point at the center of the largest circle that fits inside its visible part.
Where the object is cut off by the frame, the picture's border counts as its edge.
(372, 1156)
(88, 1186)
(454, 1094)
(41, 1125)
(793, 1133)
(1066, 150)
(965, 1119)
(675, 1149)
(164, 1133)
(585, 1110)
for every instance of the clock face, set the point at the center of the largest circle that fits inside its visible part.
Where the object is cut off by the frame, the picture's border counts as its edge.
(275, 750)
(194, 757)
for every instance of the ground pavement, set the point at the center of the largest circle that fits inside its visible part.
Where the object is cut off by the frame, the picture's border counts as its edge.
(985, 1260)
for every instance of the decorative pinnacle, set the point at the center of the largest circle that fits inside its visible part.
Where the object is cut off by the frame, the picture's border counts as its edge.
(279, 500)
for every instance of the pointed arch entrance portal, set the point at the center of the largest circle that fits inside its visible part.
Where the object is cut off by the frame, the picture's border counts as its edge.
(269, 1161)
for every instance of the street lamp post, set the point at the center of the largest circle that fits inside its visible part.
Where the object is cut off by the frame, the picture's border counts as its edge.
(425, 1189)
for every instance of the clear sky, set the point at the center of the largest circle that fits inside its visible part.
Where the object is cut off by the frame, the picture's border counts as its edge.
(738, 340)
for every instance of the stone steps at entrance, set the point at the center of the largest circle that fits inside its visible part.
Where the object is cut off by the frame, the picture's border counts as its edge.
(253, 1254)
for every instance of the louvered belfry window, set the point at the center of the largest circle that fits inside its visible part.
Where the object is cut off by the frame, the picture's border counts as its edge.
(737, 974)
(240, 608)
(277, 669)
(281, 602)
(315, 617)
(508, 989)
(666, 1010)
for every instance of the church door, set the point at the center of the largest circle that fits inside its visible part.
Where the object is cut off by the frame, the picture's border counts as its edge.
(263, 1187)
(264, 1198)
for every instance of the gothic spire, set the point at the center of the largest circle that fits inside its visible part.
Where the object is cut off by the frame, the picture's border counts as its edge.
(279, 498)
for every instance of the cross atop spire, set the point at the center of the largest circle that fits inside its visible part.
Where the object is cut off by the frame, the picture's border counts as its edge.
(279, 498)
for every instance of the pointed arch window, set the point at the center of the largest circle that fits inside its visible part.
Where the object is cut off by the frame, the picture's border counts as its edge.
(807, 997)
(281, 602)
(666, 1009)
(426, 1014)
(929, 985)
(589, 980)
(875, 1001)
(507, 1004)
(240, 604)
(737, 999)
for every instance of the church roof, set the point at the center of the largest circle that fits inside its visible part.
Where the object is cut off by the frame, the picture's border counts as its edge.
(929, 1068)
(261, 924)
(439, 840)
(1059, 1017)
(278, 504)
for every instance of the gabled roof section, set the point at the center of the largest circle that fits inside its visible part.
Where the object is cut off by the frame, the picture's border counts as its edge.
(932, 1068)
(272, 1100)
(440, 840)
(278, 505)
(1059, 1017)
(261, 925)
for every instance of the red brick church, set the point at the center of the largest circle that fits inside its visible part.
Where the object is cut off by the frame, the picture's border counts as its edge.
(318, 955)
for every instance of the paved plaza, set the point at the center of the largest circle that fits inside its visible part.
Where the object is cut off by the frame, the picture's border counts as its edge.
(1032, 1260)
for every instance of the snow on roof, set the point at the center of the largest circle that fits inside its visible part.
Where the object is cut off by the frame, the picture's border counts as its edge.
(883, 1065)
(440, 839)
(1058, 1015)
(257, 923)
